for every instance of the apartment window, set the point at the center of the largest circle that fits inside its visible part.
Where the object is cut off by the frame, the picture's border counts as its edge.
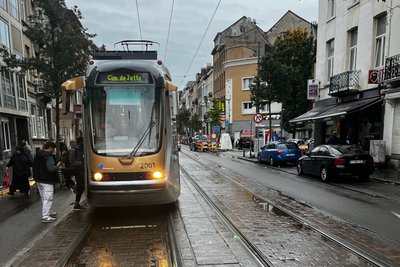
(4, 34)
(331, 8)
(40, 124)
(3, 4)
(330, 52)
(353, 2)
(247, 108)
(5, 128)
(33, 122)
(380, 41)
(8, 89)
(14, 8)
(246, 83)
(353, 35)
(22, 99)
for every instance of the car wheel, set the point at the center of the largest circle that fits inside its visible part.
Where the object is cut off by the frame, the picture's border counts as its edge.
(324, 174)
(259, 158)
(299, 168)
(272, 161)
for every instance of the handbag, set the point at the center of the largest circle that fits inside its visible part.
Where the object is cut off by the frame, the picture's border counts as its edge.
(6, 180)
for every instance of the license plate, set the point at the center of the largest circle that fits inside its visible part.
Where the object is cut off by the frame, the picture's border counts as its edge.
(359, 161)
(289, 155)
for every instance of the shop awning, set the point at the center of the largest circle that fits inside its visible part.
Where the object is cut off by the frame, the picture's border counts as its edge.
(309, 115)
(342, 109)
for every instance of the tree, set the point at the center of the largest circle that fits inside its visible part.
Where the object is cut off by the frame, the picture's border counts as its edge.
(286, 70)
(182, 120)
(62, 48)
(214, 113)
(194, 123)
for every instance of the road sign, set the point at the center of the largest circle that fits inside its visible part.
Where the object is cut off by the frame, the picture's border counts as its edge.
(257, 118)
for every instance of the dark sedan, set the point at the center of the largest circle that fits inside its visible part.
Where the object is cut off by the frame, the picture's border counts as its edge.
(329, 161)
(276, 153)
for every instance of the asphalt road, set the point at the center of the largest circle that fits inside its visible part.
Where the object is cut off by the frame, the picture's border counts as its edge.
(371, 212)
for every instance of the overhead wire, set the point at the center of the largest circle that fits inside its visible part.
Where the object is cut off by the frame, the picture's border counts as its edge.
(138, 16)
(201, 41)
(169, 28)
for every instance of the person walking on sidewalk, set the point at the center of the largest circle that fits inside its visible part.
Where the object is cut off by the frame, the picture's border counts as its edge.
(45, 173)
(21, 164)
(77, 168)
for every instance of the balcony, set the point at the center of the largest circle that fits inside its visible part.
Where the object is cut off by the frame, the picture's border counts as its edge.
(392, 69)
(344, 83)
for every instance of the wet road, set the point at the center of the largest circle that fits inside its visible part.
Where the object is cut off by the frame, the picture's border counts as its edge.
(373, 213)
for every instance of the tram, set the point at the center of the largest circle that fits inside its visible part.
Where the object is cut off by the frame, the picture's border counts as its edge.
(129, 129)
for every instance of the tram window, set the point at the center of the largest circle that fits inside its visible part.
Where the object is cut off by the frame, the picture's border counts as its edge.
(123, 97)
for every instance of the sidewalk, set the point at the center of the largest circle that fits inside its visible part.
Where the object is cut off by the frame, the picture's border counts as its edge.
(382, 174)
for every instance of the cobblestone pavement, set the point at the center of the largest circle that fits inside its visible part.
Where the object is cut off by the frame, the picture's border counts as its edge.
(286, 241)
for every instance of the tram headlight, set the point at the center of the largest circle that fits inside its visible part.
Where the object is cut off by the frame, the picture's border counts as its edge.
(98, 176)
(158, 175)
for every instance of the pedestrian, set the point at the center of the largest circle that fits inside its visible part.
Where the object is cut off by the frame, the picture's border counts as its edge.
(69, 183)
(45, 173)
(77, 169)
(27, 149)
(21, 164)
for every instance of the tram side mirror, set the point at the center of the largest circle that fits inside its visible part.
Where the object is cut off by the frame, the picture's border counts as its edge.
(74, 84)
(170, 86)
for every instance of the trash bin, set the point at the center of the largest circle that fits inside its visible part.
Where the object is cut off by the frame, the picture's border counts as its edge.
(377, 150)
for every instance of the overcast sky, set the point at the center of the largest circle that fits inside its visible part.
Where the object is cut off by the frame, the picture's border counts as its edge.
(116, 20)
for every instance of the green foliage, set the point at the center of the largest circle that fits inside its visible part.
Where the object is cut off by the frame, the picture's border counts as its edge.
(183, 120)
(194, 123)
(214, 113)
(259, 93)
(286, 70)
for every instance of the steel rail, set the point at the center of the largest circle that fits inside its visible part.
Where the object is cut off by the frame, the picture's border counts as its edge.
(77, 244)
(359, 252)
(176, 257)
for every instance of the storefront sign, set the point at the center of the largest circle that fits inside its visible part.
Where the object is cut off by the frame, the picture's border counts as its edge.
(312, 89)
(375, 76)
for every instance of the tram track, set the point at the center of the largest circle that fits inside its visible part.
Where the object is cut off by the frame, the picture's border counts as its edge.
(138, 239)
(366, 257)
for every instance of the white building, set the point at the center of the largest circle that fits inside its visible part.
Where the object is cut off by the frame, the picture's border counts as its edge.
(352, 44)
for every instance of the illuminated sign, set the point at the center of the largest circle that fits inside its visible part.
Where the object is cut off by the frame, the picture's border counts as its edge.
(123, 77)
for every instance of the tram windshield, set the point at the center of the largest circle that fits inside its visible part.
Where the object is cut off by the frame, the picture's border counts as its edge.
(120, 117)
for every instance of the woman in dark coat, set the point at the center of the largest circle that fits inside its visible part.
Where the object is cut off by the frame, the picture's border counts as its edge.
(21, 164)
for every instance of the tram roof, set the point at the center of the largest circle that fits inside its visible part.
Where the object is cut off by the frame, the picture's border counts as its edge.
(109, 55)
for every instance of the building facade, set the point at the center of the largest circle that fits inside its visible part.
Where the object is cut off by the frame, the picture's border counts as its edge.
(351, 50)
(24, 110)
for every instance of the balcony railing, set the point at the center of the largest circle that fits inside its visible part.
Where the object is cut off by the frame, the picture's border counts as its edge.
(392, 68)
(345, 82)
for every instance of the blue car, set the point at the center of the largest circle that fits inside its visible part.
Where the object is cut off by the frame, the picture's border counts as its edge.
(276, 153)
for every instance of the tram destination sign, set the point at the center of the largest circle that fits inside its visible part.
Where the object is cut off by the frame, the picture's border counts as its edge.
(123, 77)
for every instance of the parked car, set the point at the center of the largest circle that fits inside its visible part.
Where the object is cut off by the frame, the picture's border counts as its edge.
(329, 161)
(301, 144)
(276, 153)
